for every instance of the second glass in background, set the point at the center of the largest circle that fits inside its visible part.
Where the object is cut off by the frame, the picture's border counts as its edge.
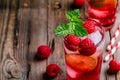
(103, 11)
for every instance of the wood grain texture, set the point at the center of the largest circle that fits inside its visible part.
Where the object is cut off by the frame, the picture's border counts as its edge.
(10, 68)
(26, 24)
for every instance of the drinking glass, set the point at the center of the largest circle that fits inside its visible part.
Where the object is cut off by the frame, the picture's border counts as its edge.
(82, 66)
(103, 11)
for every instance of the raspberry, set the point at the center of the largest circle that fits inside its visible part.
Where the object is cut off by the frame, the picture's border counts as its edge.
(79, 3)
(43, 51)
(114, 66)
(71, 47)
(86, 43)
(87, 47)
(90, 26)
(73, 40)
(52, 70)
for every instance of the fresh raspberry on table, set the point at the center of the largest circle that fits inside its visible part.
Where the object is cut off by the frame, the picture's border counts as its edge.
(114, 66)
(43, 51)
(52, 70)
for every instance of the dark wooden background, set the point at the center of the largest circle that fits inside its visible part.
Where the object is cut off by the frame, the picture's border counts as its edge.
(26, 24)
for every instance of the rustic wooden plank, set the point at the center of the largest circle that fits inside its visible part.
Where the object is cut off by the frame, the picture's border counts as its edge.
(1, 36)
(1, 30)
(21, 42)
(104, 68)
(38, 36)
(21, 37)
(10, 68)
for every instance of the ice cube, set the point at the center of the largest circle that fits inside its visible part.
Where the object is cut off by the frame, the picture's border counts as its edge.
(95, 37)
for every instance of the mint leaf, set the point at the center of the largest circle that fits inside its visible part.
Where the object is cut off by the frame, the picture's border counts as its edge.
(80, 31)
(73, 16)
(62, 30)
(73, 27)
(77, 29)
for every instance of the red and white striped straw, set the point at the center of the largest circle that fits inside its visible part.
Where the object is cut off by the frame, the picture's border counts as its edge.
(112, 51)
(113, 39)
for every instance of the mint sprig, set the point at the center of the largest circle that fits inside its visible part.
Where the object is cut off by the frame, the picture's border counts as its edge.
(73, 27)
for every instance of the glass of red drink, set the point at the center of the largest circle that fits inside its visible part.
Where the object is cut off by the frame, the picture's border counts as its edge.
(83, 47)
(83, 61)
(103, 11)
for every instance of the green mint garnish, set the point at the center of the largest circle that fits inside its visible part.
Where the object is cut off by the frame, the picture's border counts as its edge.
(73, 27)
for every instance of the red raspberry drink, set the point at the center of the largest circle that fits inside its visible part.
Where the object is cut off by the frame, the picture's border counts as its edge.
(103, 11)
(83, 46)
(83, 62)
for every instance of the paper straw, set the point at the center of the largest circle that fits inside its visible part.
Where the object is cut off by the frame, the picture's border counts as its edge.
(111, 52)
(113, 39)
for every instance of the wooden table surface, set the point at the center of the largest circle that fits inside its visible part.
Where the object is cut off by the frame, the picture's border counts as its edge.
(26, 24)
